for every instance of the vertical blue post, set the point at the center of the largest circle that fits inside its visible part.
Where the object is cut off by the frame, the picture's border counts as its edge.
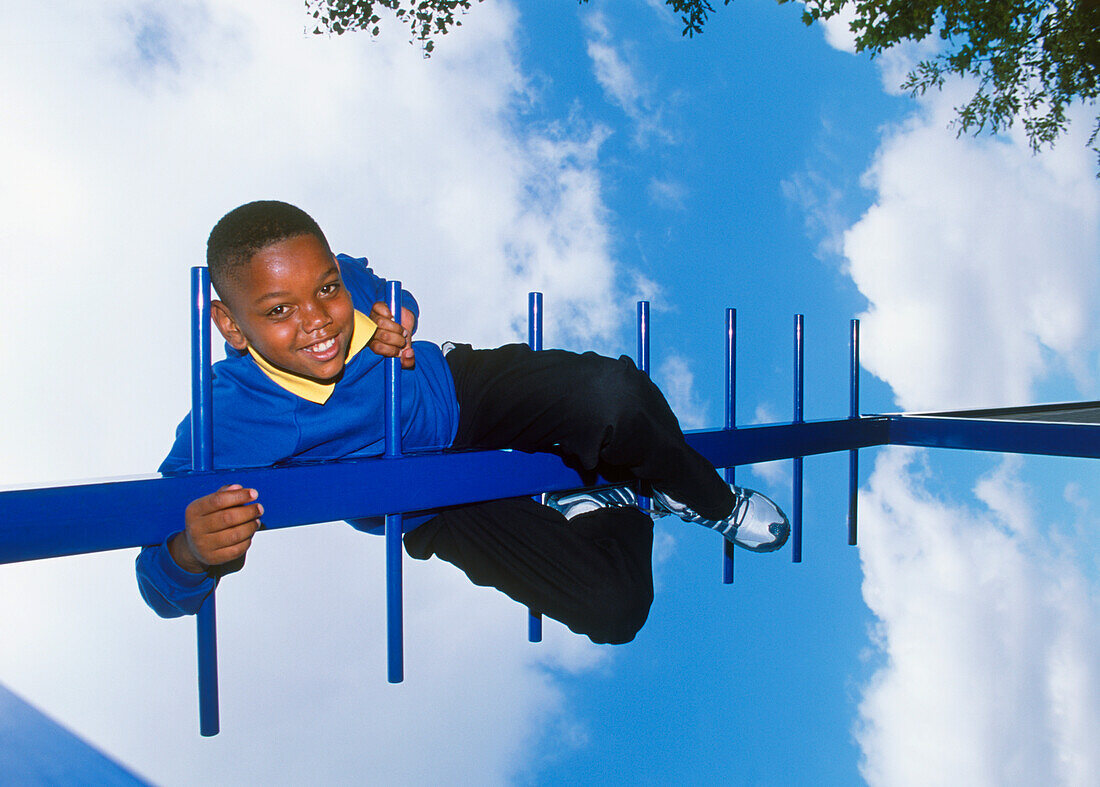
(796, 491)
(202, 458)
(853, 455)
(731, 423)
(643, 336)
(394, 626)
(534, 341)
(643, 364)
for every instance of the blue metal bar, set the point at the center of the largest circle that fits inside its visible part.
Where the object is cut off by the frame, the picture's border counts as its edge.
(853, 455)
(392, 408)
(202, 459)
(52, 521)
(643, 365)
(534, 320)
(643, 336)
(202, 411)
(1014, 437)
(394, 623)
(796, 490)
(748, 445)
(731, 424)
(534, 341)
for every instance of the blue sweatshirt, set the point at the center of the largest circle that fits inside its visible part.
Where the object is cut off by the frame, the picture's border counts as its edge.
(265, 417)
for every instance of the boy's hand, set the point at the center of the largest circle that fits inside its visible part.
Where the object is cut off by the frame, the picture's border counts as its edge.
(219, 528)
(391, 340)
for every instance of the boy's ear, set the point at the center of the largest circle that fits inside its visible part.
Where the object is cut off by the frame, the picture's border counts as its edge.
(227, 326)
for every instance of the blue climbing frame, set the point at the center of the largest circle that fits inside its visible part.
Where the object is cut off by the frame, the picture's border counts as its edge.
(45, 522)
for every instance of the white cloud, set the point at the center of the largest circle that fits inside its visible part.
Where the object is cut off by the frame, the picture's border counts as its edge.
(838, 30)
(894, 64)
(991, 672)
(619, 77)
(676, 379)
(666, 193)
(304, 697)
(129, 129)
(979, 262)
(821, 202)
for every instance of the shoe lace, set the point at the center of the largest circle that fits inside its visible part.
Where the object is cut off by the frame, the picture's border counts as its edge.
(740, 506)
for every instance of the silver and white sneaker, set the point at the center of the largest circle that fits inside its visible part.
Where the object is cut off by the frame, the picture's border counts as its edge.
(572, 504)
(756, 522)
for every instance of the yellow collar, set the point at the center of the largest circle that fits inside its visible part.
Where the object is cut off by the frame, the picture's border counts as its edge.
(363, 328)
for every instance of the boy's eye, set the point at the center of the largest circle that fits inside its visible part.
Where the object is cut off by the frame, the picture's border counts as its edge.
(277, 311)
(330, 288)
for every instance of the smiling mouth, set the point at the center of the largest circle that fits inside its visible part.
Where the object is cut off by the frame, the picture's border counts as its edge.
(322, 351)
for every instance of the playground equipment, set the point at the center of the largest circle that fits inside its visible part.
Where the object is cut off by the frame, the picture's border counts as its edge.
(86, 517)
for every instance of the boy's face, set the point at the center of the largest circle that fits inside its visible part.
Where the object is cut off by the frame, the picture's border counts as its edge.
(290, 305)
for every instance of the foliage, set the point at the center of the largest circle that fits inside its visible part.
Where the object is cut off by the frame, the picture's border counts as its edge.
(1032, 58)
(426, 18)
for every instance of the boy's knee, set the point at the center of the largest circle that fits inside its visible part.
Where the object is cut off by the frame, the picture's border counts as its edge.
(615, 619)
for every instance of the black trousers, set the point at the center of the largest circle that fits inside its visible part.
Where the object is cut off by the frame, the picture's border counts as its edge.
(593, 573)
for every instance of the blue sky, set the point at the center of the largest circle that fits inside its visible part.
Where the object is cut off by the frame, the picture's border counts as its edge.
(592, 153)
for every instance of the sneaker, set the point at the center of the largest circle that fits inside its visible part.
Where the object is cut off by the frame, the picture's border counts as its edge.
(572, 504)
(756, 522)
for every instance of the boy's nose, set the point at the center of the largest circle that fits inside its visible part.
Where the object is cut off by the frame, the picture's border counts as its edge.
(314, 318)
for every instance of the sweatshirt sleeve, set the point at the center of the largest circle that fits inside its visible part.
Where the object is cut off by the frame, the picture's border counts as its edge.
(168, 589)
(367, 288)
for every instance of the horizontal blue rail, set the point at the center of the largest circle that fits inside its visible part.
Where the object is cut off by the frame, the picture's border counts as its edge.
(1002, 436)
(44, 522)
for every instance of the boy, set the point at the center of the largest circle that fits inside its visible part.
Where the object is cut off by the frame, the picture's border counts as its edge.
(306, 333)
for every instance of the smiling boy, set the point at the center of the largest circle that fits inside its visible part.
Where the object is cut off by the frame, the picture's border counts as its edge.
(306, 333)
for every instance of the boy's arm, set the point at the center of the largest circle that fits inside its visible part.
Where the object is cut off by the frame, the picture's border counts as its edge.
(168, 589)
(369, 288)
(177, 576)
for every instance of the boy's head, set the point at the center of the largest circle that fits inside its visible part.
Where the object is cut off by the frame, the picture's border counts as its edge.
(280, 288)
(243, 231)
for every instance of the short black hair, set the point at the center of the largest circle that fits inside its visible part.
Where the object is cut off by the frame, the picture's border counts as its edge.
(244, 231)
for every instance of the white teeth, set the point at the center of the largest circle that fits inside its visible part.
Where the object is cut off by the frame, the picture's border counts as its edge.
(321, 347)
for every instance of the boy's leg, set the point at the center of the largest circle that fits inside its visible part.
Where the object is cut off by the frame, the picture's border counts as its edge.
(597, 413)
(593, 572)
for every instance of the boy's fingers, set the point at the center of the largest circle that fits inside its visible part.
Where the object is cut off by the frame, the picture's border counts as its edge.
(228, 518)
(221, 546)
(389, 324)
(224, 539)
(382, 317)
(381, 348)
(227, 497)
(395, 338)
(391, 332)
(387, 343)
